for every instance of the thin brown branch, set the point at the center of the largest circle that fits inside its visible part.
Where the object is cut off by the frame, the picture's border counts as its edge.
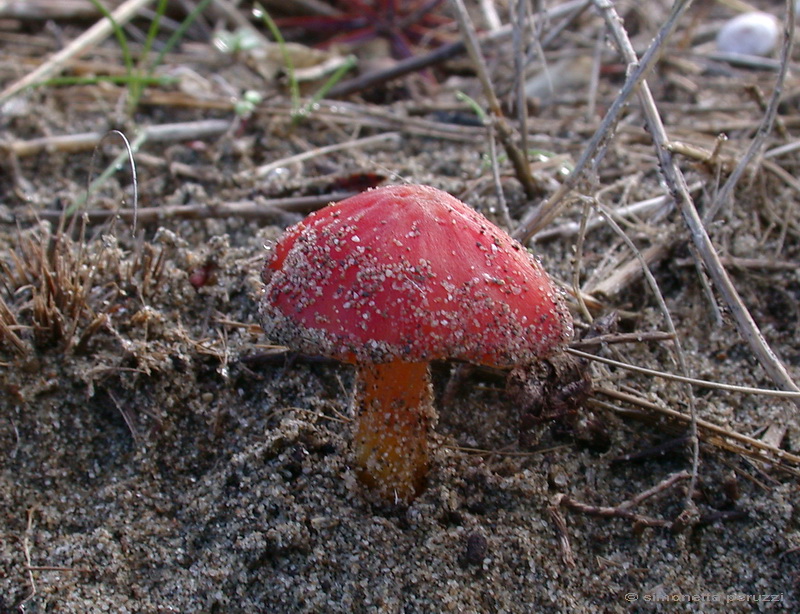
(624, 509)
(614, 338)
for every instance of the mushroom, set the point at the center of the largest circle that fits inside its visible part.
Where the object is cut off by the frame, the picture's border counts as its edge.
(391, 279)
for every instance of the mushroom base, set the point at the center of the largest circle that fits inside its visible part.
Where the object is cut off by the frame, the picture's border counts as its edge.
(394, 404)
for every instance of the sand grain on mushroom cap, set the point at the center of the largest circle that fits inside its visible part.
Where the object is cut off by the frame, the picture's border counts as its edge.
(390, 280)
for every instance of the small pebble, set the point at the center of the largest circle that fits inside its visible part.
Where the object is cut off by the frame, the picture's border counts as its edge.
(476, 549)
(754, 33)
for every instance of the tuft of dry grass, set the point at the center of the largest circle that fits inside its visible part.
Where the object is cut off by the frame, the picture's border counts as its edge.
(59, 292)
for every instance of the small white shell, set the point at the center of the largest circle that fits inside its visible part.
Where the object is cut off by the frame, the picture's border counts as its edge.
(753, 33)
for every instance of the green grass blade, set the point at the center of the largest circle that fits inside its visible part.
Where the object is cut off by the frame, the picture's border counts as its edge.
(294, 86)
(119, 34)
(473, 104)
(349, 63)
(115, 79)
(152, 31)
(178, 34)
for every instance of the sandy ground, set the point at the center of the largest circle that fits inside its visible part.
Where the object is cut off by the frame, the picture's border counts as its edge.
(157, 454)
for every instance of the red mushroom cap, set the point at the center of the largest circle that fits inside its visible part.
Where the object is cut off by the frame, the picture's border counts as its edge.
(408, 272)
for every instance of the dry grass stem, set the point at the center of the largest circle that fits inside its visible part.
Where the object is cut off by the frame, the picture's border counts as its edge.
(369, 116)
(763, 264)
(489, 11)
(645, 209)
(781, 394)
(754, 449)
(630, 271)
(505, 217)
(385, 138)
(577, 266)
(163, 133)
(262, 210)
(8, 324)
(504, 130)
(521, 24)
(782, 150)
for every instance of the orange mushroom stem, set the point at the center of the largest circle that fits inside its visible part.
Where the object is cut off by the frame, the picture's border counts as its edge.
(395, 414)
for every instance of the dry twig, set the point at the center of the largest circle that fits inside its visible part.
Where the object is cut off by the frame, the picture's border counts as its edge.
(244, 210)
(625, 509)
(84, 141)
(262, 171)
(752, 448)
(504, 131)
